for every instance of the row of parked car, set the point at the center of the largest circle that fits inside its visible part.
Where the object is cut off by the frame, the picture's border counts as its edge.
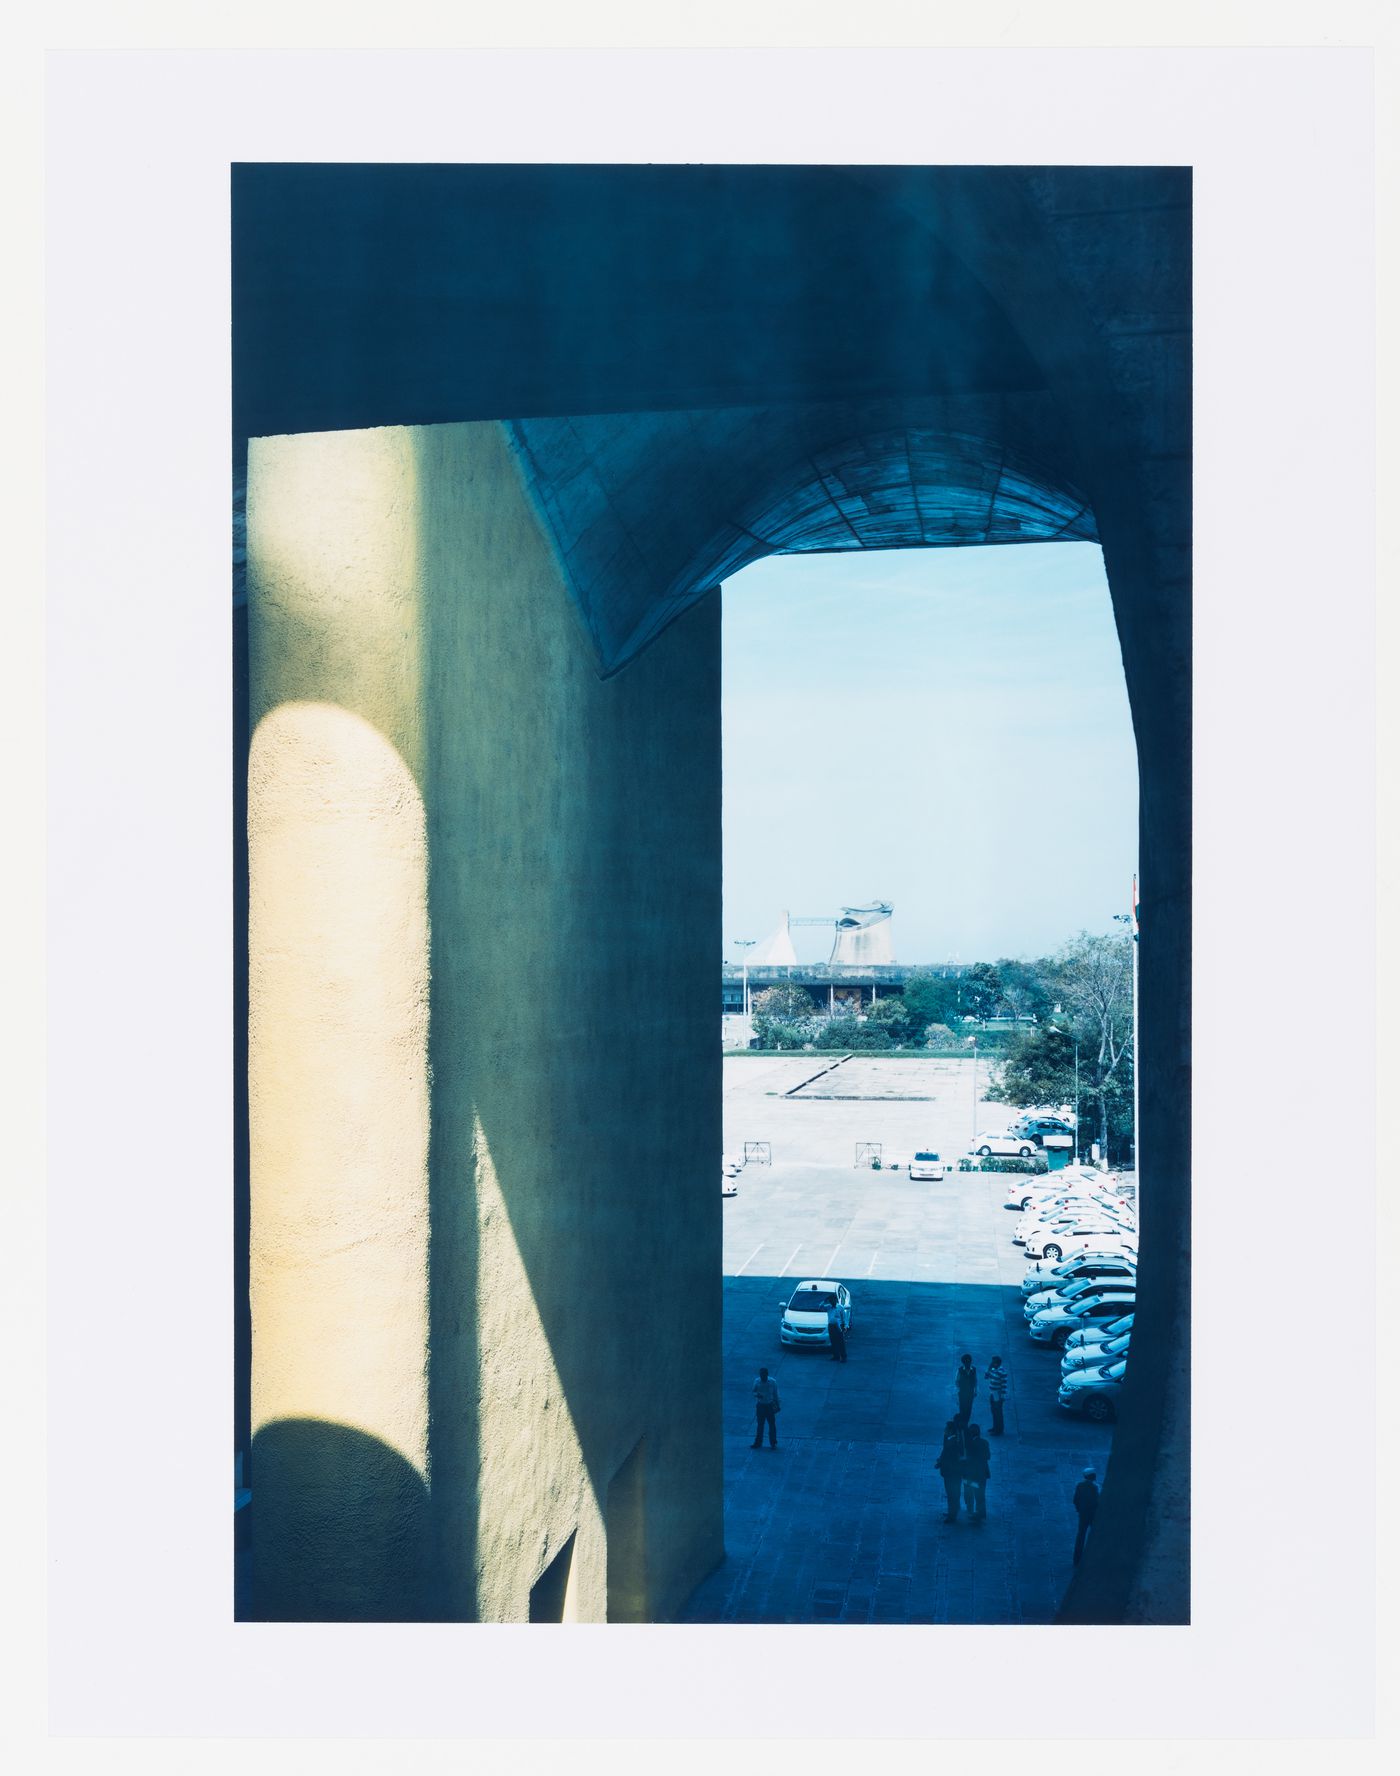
(1079, 1294)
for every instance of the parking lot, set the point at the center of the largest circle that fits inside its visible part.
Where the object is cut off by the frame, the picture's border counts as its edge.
(844, 1521)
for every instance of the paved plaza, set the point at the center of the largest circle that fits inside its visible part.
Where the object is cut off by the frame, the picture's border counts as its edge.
(843, 1523)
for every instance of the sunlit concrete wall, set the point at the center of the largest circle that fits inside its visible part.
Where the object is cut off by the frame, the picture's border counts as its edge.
(485, 1226)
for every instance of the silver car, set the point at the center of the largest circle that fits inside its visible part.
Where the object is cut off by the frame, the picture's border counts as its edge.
(1095, 1356)
(1093, 1392)
(1073, 1270)
(1053, 1325)
(1076, 1290)
(1099, 1332)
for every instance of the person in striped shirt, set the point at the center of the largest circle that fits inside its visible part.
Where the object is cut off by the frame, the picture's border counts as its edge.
(996, 1379)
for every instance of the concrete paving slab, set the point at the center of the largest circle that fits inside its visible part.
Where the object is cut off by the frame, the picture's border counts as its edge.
(843, 1523)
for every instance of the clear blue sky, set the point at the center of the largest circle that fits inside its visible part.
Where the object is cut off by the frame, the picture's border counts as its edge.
(921, 726)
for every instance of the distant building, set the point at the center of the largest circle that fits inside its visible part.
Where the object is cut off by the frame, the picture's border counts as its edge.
(864, 936)
(860, 968)
(833, 986)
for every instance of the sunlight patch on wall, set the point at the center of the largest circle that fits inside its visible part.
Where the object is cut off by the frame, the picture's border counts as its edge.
(338, 1077)
(535, 1490)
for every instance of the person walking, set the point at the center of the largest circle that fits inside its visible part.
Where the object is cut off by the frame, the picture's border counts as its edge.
(965, 1381)
(1086, 1503)
(977, 1471)
(950, 1467)
(767, 1406)
(996, 1379)
(836, 1332)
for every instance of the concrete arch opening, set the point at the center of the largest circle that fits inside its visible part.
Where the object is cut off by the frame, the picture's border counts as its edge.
(520, 610)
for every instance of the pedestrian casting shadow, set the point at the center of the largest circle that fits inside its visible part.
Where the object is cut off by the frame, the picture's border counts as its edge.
(345, 1533)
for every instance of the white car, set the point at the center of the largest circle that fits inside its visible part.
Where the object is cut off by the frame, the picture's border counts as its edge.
(1079, 1290)
(806, 1312)
(1081, 1236)
(1098, 1332)
(1082, 1266)
(927, 1167)
(1040, 1235)
(1024, 1191)
(733, 1164)
(1095, 1356)
(1068, 1235)
(1053, 1325)
(728, 1185)
(1002, 1141)
(1094, 1392)
(1065, 1208)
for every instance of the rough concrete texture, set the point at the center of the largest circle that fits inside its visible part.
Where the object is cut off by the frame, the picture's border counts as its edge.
(476, 1166)
(727, 366)
(338, 1028)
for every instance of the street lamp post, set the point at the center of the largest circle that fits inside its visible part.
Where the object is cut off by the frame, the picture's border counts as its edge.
(745, 944)
(973, 1041)
(1130, 920)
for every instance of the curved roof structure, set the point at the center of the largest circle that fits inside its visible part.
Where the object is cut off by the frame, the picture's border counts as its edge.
(776, 949)
(864, 934)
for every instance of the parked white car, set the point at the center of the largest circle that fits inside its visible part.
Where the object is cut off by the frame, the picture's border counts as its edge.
(1095, 1356)
(927, 1167)
(1082, 1267)
(1038, 1236)
(1094, 1392)
(1068, 1293)
(1024, 1191)
(1002, 1141)
(806, 1312)
(1066, 1235)
(1080, 1236)
(728, 1184)
(1067, 1207)
(1053, 1325)
(733, 1164)
(1099, 1332)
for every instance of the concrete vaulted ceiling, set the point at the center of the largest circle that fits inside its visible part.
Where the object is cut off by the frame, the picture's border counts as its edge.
(413, 295)
(648, 512)
(703, 365)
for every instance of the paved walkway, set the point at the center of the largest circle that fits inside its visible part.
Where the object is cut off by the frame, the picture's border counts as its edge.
(844, 1522)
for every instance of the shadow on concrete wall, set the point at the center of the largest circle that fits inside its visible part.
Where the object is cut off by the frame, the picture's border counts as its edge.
(569, 867)
(335, 1488)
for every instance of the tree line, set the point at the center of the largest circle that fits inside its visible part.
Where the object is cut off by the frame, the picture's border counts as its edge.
(1077, 1050)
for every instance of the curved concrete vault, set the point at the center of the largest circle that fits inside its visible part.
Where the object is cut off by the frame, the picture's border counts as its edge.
(650, 512)
(493, 401)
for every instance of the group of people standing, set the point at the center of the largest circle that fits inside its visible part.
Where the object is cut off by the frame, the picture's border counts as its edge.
(965, 1460)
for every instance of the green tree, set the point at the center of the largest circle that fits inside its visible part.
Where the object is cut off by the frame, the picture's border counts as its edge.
(1037, 1068)
(929, 998)
(1024, 987)
(783, 1017)
(893, 1016)
(1095, 979)
(1092, 980)
(785, 1001)
(982, 989)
